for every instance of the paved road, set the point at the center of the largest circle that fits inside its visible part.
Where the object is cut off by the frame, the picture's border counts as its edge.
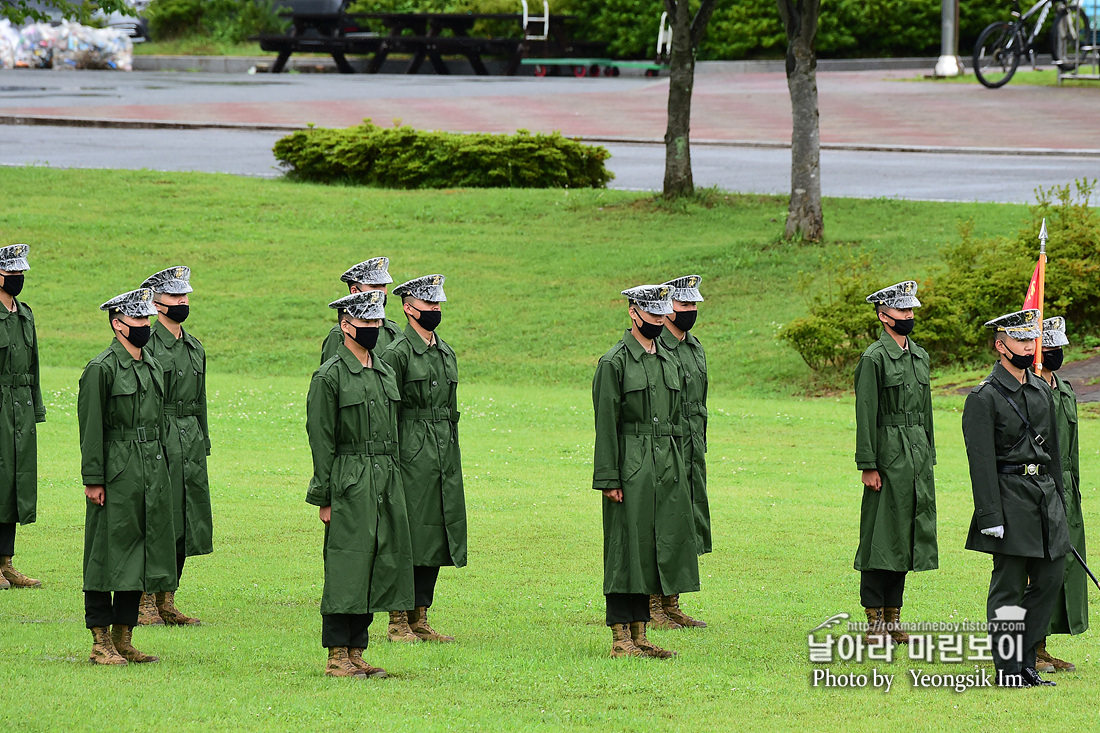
(946, 176)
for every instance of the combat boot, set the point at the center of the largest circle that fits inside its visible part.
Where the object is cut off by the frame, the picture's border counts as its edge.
(147, 611)
(15, 578)
(103, 649)
(892, 618)
(121, 637)
(339, 665)
(671, 606)
(648, 648)
(418, 623)
(4, 584)
(658, 619)
(399, 628)
(355, 656)
(621, 643)
(1046, 662)
(166, 607)
(876, 627)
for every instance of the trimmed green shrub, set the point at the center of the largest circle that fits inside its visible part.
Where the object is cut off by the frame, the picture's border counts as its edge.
(979, 279)
(401, 157)
(229, 21)
(840, 324)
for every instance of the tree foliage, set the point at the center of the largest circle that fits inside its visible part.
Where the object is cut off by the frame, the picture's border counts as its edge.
(26, 11)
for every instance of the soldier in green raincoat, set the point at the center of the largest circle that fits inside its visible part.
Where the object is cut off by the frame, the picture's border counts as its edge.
(895, 451)
(687, 352)
(372, 274)
(431, 465)
(183, 359)
(351, 418)
(1013, 447)
(129, 536)
(1071, 609)
(650, 545)
(20, 408)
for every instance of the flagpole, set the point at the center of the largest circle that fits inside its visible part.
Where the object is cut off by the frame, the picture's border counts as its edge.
(1042, 287)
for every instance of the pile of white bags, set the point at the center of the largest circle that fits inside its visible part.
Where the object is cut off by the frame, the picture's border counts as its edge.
(9, 39)
(66, 46)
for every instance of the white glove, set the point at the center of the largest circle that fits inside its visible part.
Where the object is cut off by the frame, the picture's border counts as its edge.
(998, 531)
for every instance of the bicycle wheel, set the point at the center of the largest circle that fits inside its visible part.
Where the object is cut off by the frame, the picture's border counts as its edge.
(1064, 35)
(997, 54)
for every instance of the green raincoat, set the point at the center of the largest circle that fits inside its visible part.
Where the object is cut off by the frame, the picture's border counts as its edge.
(130, 541)
(386, 334)
(894, 435)
(692, 360)
(431, 464)
(188, 439)
(649, 538)
(20, 408)
(351, 418)
(1071, 613)
(1031, 508)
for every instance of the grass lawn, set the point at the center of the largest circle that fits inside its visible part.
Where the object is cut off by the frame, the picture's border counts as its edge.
(1043, 77)
(533, 279)
(197, 47)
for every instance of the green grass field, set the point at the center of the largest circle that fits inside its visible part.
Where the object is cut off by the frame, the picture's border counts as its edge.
(1044, 77)
(533, 283)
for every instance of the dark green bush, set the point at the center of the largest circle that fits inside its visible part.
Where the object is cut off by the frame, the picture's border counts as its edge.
(747, 28)
(401, 157)
(229, 21)
(979, 279)
(840, 324)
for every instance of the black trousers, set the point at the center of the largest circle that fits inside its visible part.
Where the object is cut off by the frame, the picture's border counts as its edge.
(1033, 584)
(7, 539)
(345, 629)
(101, 610)
(881, 588)
(424, 579)
(626, 608)
(180, 558)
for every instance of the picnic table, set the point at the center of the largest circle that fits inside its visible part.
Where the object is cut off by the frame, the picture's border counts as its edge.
(423, 36)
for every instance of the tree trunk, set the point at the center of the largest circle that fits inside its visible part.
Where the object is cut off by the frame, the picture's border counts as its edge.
(687, 33)
(804, 215)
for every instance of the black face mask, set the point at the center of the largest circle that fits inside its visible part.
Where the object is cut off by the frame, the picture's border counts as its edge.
(177, 313)
(138, 335)
(649, 330)
(1020, 361)
(903, 326)
(13, 284)
(428, 320)
(684, 320)
(366, 336)
(1052, 360)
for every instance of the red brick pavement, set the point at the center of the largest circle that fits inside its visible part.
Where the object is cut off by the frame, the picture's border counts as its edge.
(856, 107)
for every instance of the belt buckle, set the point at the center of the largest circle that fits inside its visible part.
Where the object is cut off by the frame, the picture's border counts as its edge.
(141, 434)
(1031, 469)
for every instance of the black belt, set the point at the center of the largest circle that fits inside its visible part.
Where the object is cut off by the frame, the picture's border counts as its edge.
(141, 434)
(1026, 469)
(368, 447)
(181, 410)
(16, 380)
(902, 419)
(657, 428)
(435, 414)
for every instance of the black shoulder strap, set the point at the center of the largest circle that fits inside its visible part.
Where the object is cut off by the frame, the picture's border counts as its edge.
(1027, 424)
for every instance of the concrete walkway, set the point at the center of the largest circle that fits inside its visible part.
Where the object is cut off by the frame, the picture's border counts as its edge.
(868, 109)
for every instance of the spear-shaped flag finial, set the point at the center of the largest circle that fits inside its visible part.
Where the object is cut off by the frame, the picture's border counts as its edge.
(1043, 237)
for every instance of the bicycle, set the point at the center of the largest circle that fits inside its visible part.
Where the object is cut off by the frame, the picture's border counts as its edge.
(1000, 46)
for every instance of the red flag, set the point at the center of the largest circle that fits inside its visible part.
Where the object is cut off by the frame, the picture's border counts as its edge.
(1032, 299)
